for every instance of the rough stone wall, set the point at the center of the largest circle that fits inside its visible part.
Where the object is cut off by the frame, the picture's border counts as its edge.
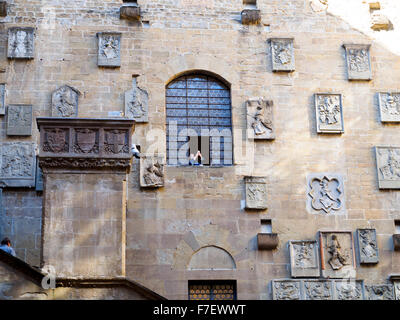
(181, 35)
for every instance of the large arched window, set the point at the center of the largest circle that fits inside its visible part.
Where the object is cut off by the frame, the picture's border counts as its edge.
(198, 108)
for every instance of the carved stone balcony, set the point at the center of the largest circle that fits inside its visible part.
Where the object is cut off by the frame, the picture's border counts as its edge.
(130, 11)
(267, 241)
(251, 16)
(396, 242)
(85, 144)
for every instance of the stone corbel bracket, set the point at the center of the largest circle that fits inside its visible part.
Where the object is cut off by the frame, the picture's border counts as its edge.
(85, 144)
(129, 11)
(251, 16)
(267, 241)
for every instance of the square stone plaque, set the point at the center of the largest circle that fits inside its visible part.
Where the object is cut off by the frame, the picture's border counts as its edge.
(17, 164)
(318, 290)
(349, 290)
(152, 171)
(329, 113)
(337, 254)
(2, 99)
(358, 61)
(389, 106)
(19, 120)
(387, 166)
(109, 51)
(260, 120)
(256, 192)
(282, 54)
(304, 258)
(20, 43)
(380, 292)
(367, 246)
(286, 290)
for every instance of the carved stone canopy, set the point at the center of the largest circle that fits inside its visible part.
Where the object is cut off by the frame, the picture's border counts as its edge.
(85, 144)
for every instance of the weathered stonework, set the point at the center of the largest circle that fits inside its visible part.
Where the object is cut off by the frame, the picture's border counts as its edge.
(3, 8)
(251, 16)
(367, 246)
(17, 164)
(64, 102)
(2, 99)
(349, 290)
(137, 103)
(152, 171)
(260, 120)
(325, 194)
(267, 241)
(21, 43)
(389, 106)
(329, 113)
(337, 254)
(379, 21)
(380, 292)
(304, 259)
(256, 192)
(358, 61)
(396, 287)
(109, 51)
(282, 54)
(396, 242)
(286, 290)
(39, 177)
(318, 290)
(388, 167)
(19, 120)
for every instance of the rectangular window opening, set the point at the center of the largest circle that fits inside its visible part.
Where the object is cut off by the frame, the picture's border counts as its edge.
(212, 290)
(266, 226)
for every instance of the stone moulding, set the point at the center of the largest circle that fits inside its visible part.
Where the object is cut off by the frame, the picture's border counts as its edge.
(304, 258)
(388, 167)
(130, 11)
(79, 143)
(251, 16)
(267, 241)
(313, 289)
(367, 246)
(358, 61)
(337, 254)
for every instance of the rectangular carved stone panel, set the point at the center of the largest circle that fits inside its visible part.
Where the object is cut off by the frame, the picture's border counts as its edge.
(116, 141)
(329, 113)
(86, 140)
(349, 290)
(367, 246)
(260, 120)
(17, 164)
(151, 171)
(109, 51)
(256, 192)
(380, 292)
(304, 258)
(137, 103)
(389, 106)
(396, 286)
(20, 43)
(358, 61)
(286, 290)
(337, 254)
(2, 99)
(387, 166)
(64, 102)
(19, 120)
(282, 54)
(318, 290)
(325, 194)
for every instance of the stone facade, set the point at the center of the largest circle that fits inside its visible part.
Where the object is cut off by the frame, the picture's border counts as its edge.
(204, 206)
